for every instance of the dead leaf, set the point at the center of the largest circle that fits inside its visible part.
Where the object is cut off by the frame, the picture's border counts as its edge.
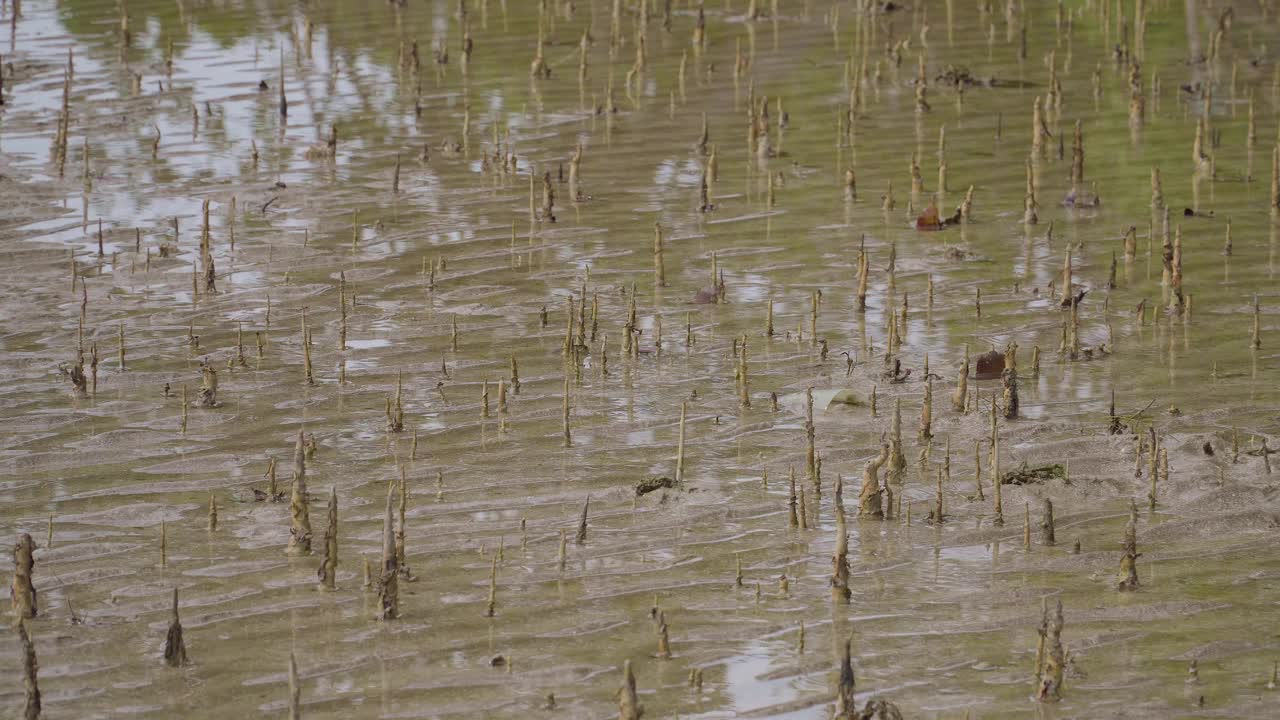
(929, 220)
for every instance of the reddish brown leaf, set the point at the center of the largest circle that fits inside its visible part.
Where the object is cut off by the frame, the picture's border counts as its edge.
(929, 219)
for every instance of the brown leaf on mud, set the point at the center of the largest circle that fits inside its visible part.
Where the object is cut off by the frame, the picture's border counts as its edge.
(929, 220)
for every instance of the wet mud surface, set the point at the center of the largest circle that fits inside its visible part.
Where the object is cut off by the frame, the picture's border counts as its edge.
(375, 291)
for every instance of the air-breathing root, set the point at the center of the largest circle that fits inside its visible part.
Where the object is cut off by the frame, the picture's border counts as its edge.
(870, 501)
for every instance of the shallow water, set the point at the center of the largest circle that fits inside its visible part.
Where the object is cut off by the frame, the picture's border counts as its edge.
(943, 618)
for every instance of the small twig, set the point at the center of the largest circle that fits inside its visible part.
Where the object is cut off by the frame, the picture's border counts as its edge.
(1140, 412)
